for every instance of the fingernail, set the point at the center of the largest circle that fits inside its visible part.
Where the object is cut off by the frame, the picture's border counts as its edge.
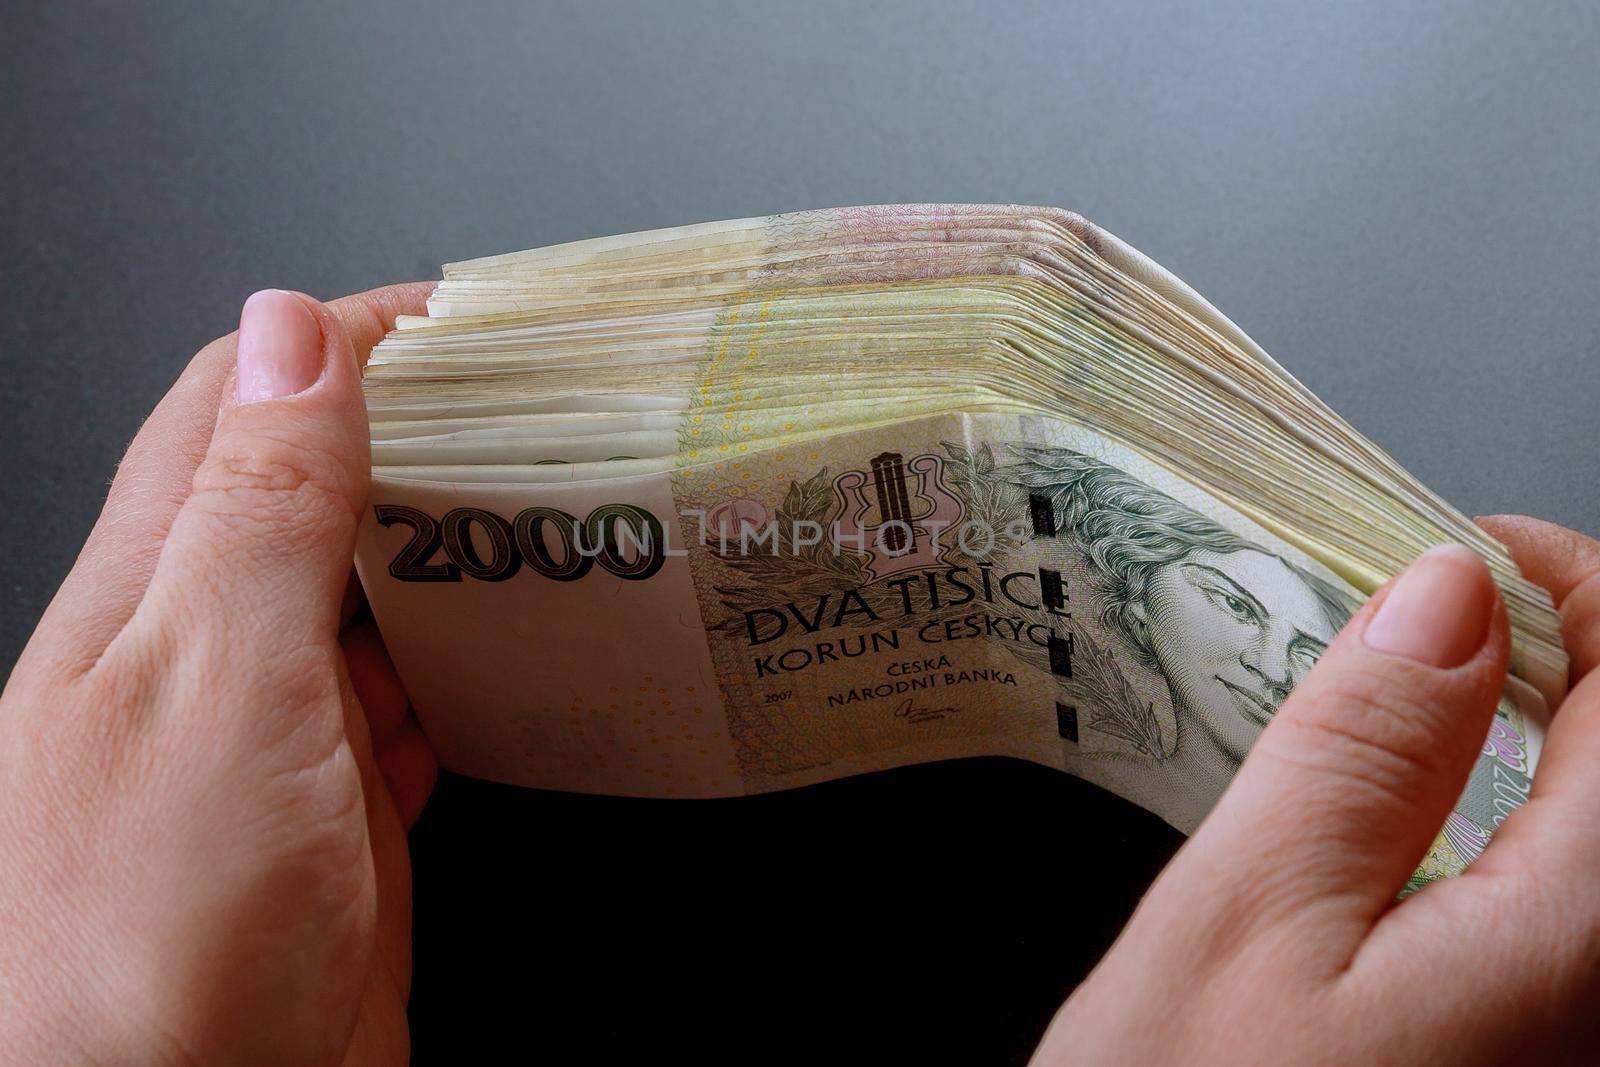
(1438, 612)
(280, 347)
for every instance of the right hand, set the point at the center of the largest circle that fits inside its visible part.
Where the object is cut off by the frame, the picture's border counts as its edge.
(1274, 936)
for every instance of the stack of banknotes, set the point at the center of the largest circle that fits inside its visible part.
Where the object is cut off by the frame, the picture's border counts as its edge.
(748, 505)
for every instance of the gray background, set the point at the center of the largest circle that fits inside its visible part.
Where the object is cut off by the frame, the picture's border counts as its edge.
(1397, 200)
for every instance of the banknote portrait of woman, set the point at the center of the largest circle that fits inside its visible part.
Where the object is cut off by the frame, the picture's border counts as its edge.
(1230, 626)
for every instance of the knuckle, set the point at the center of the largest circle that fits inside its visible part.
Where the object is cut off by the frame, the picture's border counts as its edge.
(276, 485)
(1367, 726)
(262, 472)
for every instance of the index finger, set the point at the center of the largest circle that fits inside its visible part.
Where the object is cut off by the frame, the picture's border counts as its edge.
(1556, 832)
(1567, 563)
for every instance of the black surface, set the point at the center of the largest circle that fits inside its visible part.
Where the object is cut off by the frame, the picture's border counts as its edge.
(933, 914)
(1397, 200)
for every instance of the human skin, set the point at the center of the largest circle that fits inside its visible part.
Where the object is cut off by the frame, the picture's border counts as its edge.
(207, 775)
(1274, 935)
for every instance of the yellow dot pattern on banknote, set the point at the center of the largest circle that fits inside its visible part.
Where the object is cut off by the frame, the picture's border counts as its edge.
(730, 412)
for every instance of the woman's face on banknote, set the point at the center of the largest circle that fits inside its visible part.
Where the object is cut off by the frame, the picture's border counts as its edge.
(1233, 632)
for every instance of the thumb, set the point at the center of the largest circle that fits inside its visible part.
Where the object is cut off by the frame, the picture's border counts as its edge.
(1344, 791)
(264, 540)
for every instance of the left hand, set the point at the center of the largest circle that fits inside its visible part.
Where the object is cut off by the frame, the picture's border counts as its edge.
(206, 784)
